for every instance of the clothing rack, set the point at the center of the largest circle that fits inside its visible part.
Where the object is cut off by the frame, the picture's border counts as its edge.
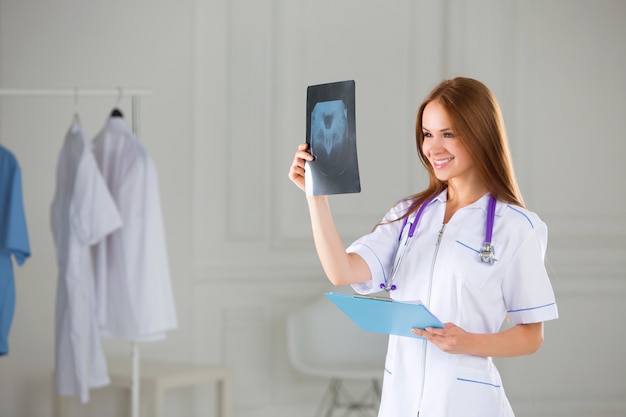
(119, 92)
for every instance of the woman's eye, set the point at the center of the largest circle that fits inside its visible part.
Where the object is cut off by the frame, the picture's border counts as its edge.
(427, 134)
(448, 135)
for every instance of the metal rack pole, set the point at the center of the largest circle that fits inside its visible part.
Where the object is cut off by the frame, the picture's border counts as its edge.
(71, 92)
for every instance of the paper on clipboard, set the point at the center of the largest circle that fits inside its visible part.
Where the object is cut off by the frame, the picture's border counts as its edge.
(385, 315)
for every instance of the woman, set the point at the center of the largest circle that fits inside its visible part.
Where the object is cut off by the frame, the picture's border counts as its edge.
(439, 246)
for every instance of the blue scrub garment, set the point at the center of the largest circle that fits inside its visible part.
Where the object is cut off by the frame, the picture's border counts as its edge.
(13, 239)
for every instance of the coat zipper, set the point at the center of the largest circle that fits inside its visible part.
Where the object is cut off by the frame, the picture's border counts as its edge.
(427, 303)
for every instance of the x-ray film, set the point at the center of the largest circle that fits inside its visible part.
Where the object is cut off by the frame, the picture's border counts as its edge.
(331, 135)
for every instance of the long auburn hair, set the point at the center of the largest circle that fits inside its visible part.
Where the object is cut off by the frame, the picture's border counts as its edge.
(478, 124)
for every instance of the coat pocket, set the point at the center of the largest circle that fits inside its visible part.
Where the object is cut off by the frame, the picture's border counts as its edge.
(476, 393)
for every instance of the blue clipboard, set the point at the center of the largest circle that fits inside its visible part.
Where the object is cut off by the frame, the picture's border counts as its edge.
(383, 315)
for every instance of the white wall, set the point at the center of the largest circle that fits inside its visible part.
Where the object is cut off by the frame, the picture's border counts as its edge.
(229, 81)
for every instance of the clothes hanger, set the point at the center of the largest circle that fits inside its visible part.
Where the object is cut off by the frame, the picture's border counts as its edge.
(116, 111)
(76, 117)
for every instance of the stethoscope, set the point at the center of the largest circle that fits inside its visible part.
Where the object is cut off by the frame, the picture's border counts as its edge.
(486, 253)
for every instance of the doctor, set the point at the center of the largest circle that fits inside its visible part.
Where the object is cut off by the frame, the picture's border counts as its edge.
(466, 246)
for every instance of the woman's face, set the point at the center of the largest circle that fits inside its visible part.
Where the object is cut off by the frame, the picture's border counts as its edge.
(448, 157)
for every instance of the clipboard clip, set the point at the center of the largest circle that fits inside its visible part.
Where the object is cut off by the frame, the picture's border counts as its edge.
(373, 297)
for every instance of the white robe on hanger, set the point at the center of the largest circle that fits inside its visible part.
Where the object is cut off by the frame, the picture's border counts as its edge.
(82, 214)
(133, 277)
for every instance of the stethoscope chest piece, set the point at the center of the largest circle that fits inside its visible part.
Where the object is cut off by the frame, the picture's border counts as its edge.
(487, 253)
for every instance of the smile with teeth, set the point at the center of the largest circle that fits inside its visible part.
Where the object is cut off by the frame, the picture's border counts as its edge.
(439, 163)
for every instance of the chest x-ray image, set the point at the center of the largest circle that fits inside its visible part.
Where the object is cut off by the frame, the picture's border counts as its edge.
(332, 140)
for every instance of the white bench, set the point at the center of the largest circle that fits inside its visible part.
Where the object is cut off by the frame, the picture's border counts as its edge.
(158, 377)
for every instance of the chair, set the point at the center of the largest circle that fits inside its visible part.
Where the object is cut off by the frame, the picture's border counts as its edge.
(323, 342)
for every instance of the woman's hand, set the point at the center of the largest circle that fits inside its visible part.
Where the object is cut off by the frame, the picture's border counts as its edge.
(450, 339)
(519, 340)
(296, 171)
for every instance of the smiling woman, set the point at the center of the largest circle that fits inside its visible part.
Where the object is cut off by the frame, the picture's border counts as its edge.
(467, 113)
(449, 157)
(437, 254)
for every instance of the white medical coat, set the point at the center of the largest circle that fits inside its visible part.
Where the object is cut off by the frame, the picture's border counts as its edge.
(132, 269)
(82, 214)
(457, 287)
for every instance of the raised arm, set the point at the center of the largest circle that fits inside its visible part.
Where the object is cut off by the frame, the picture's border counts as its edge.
(341, 268)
